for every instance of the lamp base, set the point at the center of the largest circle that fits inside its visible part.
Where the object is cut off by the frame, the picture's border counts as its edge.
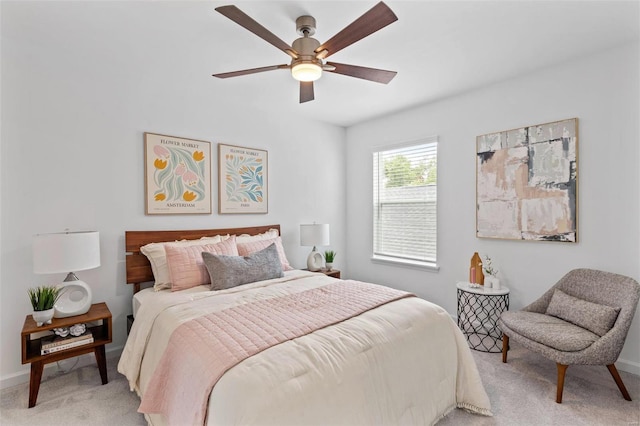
(75, 299)
(315, 261)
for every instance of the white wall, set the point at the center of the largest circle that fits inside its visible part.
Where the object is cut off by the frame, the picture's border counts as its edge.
(602, 91)
(72, 157)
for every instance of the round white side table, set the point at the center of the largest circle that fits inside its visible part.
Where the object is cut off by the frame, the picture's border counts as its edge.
(479, 310)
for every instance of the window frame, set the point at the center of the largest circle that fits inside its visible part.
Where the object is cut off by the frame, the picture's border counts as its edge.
(398, 260)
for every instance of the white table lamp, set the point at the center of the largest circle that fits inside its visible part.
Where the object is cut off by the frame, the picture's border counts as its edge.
(68, 252)
(314, 235)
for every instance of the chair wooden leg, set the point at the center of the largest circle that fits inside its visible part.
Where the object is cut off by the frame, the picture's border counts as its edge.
(614, 372)
(505, 347)
(562, 369)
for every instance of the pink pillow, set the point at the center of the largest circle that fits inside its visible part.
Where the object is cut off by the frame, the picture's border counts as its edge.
(245, 249)
(186, 267)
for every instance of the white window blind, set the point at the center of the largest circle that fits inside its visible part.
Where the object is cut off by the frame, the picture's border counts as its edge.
(405, 201)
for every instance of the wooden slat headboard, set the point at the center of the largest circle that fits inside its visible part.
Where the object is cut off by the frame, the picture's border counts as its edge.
(138, 268)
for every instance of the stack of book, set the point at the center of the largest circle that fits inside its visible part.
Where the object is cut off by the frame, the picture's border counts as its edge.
(51, 344)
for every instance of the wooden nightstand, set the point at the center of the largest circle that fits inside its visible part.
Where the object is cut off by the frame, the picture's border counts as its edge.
(335, 273)
(99, 312)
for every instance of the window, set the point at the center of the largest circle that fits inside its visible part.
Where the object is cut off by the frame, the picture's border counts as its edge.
(404, 203)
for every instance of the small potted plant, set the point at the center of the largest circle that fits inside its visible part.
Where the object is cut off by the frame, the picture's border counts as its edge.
(43, 299)
(329, 256)
(490, 274)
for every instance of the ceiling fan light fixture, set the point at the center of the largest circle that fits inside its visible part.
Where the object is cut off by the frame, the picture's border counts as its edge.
(306, 71)
(308, 55)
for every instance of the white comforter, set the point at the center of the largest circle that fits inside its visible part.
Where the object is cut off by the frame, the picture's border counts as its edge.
(405, 362)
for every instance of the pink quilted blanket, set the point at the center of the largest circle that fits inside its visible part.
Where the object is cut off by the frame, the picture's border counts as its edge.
(200, 351)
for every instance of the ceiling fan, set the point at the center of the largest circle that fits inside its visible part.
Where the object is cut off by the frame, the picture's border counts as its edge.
(308, 55)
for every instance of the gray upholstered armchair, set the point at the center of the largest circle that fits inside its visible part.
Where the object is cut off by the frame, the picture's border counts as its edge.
(583, 319)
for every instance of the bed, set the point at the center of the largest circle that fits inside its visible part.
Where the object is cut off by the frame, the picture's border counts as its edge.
(398, 359)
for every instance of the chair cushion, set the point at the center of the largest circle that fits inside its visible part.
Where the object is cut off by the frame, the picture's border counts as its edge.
(592, 316)
(549, 331)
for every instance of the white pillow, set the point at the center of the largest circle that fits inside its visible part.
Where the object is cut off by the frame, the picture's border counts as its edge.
(222, 237)
(158, 258)
(246, 238)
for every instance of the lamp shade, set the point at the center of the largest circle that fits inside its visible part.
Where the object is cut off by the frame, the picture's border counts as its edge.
(66, 252)
(306, 71)
(316, 234)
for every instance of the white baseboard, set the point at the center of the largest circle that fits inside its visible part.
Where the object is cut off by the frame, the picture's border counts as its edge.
(628, 366)
(54, 368)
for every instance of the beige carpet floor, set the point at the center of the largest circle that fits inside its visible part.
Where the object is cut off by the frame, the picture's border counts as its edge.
(522, 392)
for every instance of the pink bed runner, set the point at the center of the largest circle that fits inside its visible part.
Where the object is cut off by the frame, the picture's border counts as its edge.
(201, 350)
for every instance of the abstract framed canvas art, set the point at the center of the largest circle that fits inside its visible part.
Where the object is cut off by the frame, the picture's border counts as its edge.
(526, 183)
(242, 182)
(177, 175)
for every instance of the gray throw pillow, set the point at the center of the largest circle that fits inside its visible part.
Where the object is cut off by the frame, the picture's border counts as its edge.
(232, 271)
(594, 317)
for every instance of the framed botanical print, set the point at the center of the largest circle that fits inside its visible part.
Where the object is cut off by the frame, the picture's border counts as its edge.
(243, 180)
(177, 175)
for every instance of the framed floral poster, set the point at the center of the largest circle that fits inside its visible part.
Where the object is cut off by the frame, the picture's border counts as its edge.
(242, 183)
(177, 175)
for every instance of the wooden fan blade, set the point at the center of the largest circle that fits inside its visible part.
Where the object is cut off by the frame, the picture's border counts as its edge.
(371, 74)
(378, 17)
(306, 91)
(250, 71)
(244, 20)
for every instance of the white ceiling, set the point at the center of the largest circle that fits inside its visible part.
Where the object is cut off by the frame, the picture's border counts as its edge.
(439, 48)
